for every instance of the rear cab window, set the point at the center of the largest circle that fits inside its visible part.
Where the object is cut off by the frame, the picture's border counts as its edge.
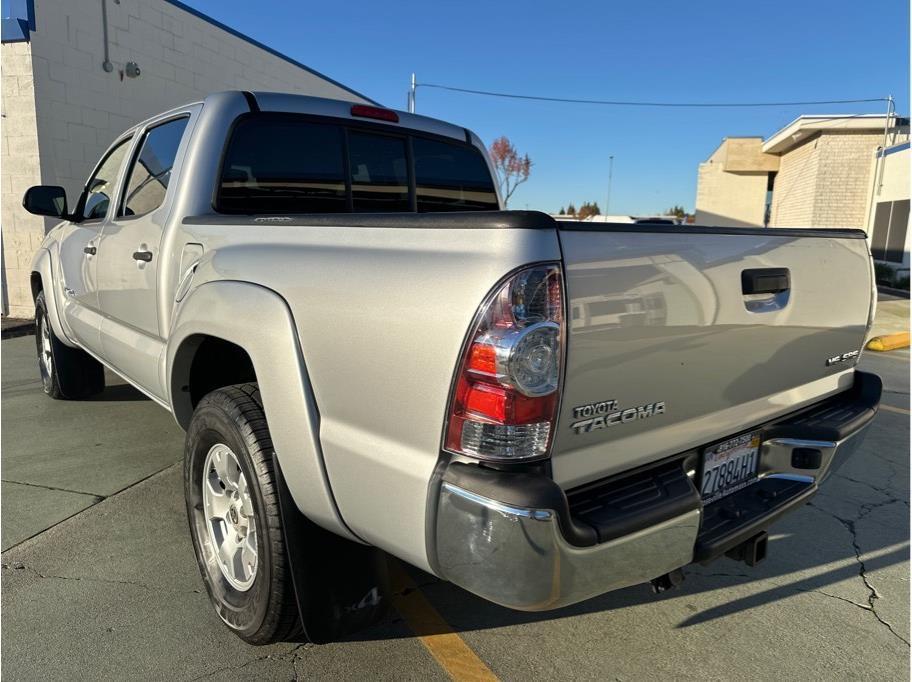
(379, 173)
(288, 163)
(283, 166)
(451, 177)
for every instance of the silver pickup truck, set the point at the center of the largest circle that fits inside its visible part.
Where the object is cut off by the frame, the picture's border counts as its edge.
(370, 357)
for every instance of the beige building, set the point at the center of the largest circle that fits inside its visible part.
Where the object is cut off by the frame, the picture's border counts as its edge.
(888, 212)
(75, 73)
(732, 183)
(818, 171)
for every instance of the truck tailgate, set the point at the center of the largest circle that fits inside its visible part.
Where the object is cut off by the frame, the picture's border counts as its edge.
(668, 349)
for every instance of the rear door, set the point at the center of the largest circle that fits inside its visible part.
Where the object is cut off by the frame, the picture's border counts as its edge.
(681, 336)
(129, 256)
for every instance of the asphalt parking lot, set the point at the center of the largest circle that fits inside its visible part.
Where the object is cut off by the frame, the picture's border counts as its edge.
(99, 579)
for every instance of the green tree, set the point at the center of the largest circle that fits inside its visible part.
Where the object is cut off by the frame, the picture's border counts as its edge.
(562, 211)
(571, 209)
(676, 211)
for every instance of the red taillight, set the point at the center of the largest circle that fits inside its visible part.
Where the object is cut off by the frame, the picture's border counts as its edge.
(365, 111)
(505, 397)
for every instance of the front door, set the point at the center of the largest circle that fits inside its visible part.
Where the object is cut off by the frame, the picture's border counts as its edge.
(129, 257)
(78, 249)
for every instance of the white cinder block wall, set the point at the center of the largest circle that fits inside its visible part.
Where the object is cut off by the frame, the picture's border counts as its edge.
(21, 232)
(77, 108)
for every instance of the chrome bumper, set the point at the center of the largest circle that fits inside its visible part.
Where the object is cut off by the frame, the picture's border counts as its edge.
(517, 555)
(519, 558)
(776, 455)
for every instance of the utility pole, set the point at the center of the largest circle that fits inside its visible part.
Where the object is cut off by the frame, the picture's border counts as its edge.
(610, 171)
(411, 96)
(888, 122)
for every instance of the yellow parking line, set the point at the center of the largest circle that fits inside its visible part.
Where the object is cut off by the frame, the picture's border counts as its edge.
(448, 648)
(898, 410)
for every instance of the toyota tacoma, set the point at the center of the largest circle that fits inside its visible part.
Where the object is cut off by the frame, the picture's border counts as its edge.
(370, 357)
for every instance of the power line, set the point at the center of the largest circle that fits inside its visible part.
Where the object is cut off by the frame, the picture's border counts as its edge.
(620, 103)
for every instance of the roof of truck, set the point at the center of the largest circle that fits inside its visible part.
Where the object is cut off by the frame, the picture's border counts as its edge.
(321, 106)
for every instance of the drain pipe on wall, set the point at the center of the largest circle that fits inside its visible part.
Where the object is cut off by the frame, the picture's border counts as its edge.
(879, 163)
(883, 163)
(106, 64)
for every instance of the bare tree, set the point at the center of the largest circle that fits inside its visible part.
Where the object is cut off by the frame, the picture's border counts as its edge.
(512, 169)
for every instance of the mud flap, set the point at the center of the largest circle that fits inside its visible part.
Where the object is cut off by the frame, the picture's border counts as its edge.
(341, 586)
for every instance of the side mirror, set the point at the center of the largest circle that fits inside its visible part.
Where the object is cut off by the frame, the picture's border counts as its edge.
(47, 200)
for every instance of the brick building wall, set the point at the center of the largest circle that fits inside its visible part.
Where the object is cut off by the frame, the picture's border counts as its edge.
(825, 182)
(844, 178)
(77, 108)
(21, 232)
(795, 186)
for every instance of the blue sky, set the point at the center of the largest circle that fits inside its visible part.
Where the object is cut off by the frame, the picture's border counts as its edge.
(666, 51)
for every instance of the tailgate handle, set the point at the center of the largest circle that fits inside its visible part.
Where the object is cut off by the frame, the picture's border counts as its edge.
(765, 281)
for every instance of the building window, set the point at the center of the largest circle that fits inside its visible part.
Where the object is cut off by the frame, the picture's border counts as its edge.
(768, 210)
(888, 239)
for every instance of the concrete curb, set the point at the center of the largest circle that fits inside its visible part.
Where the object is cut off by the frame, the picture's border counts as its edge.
(889, 342)
(18, 330)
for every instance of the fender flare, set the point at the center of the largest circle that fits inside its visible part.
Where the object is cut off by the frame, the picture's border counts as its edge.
(43, 266)
(259, 320)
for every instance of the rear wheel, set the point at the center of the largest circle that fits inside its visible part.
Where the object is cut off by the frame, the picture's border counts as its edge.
(235, 520)
(66, 373)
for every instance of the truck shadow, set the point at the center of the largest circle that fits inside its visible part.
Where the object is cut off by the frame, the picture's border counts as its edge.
(857, 525)
(118, 393)
(463, 611)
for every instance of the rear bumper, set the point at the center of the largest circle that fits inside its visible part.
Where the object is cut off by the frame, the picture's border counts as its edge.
(518, 540)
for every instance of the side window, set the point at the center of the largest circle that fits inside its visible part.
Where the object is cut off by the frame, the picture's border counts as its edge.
(100, 187)
(379, 173)
(147, 179)
(451, 177)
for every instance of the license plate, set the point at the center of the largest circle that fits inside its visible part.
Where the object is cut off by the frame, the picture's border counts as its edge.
(729, 466)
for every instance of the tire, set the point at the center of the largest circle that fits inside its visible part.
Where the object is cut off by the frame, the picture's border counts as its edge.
(66, 373)
(258, 604)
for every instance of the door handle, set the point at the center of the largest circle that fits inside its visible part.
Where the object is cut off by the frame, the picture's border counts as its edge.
(144, 256)
(765, 281)
(90, 250)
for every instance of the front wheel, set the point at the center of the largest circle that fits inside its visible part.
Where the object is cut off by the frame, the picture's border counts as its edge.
(66, 373)
(235, 521)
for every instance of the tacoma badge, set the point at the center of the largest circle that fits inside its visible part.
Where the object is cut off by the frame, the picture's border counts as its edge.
(606, 413)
